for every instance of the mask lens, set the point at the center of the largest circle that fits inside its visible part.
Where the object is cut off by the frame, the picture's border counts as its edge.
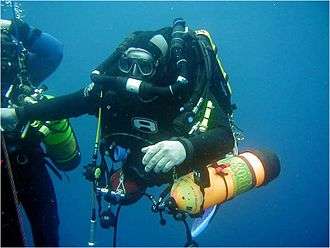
(125, 64)
(146, 67)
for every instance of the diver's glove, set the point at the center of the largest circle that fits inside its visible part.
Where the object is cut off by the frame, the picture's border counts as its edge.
(163, 156)
(8, 119)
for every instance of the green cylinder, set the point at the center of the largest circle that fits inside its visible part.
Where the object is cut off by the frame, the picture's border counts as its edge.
(61, 145)
(60, 142)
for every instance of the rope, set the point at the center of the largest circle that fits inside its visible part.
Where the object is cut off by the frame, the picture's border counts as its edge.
(13, 187)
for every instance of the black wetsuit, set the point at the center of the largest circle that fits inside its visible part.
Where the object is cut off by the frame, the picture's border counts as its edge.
(35, 192)
(132, 122)
(34, 187)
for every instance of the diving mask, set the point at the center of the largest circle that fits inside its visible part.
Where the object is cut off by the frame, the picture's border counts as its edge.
(138, 63)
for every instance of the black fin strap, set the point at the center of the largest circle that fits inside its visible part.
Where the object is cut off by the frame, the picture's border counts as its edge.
(99, 203)
(115, 228)
(103, 165)
(105, 169)
(189, 241)
(162, 220)
(202, 179)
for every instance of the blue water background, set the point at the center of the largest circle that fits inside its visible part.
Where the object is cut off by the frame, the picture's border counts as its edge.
(277, 56)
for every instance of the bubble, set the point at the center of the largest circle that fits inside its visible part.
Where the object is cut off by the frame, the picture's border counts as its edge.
(6, 7)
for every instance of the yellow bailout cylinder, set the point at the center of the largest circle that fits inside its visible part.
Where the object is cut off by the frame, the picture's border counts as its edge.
(228, 177)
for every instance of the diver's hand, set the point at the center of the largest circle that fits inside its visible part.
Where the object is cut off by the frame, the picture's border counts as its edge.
(163, 156)
(8, 119)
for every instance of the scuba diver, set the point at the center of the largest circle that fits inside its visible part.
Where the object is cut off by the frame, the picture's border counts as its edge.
(155, 89)
(28, 57)
(163, 104)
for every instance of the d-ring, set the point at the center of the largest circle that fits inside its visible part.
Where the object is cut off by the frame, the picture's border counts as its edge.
(22, 159)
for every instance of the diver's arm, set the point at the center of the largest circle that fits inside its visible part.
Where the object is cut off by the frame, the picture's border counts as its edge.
(45, 55)
(44, 51)
(193, 152)
(207, 147)
(71, 105)
(216, 142)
